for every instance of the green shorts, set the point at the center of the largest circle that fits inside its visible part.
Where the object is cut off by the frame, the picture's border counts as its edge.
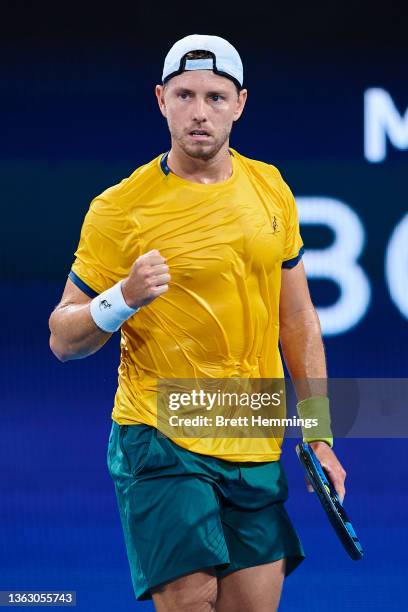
(182, 512)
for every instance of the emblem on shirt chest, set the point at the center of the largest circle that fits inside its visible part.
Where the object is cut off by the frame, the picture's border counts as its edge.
(275, 225)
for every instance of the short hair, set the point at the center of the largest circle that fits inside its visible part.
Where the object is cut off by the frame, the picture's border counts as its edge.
(199, 55)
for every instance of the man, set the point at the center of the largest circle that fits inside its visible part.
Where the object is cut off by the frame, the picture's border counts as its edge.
(204, 519)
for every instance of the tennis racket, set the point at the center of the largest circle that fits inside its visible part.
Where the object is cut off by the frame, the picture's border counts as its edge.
(329, 500)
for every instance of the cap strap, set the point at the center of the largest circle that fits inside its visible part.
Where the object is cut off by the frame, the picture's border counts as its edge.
(200, 64)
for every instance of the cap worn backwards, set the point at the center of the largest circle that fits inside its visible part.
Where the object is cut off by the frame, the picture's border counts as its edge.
(222, 58)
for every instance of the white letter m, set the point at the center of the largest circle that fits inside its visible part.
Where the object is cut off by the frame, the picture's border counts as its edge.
(382, 119)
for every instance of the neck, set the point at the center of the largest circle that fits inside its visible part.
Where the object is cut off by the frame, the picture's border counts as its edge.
(214, 170)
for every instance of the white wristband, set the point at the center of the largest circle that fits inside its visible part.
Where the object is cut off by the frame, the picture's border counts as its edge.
(109, 309)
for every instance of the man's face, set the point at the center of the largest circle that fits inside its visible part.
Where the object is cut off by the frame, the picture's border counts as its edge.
(200, 107)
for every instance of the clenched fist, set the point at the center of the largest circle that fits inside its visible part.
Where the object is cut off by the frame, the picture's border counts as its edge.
(147, 280)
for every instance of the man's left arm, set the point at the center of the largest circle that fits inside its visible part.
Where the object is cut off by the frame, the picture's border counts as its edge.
(303, 351)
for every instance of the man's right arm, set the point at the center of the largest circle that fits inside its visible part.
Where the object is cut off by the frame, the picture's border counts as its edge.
(74, 333)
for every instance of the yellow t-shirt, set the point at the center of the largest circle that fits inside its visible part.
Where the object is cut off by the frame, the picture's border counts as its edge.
(225, 244)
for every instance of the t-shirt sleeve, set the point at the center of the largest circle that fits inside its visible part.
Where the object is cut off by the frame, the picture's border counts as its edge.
(293, 249)
(107, 248)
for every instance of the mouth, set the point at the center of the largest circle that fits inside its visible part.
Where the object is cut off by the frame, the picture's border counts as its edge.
(199, 135)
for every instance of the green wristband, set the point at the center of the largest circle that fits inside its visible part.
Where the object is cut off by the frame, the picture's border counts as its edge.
(315, 414)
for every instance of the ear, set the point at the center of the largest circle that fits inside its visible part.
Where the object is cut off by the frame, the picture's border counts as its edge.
(159, 91)
(242, 98)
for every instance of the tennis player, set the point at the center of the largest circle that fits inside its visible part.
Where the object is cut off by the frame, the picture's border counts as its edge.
(197, 259)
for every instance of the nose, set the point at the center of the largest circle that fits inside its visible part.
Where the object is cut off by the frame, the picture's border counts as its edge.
(199, 110)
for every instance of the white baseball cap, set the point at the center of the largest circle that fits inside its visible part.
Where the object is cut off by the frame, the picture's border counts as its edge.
(224, 59)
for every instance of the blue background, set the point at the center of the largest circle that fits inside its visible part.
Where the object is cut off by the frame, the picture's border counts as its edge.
(78, 115)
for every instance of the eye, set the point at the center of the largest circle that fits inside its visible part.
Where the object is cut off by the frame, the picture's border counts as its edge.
(215, 97)
(184, 95)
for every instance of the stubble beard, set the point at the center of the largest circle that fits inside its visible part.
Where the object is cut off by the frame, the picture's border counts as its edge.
(200, 150)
